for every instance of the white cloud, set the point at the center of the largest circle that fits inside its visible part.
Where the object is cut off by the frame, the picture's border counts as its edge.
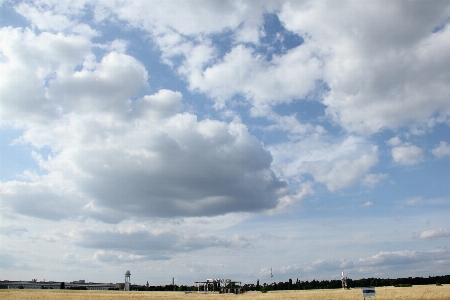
(337, 164)
(329, 265)
(55, 17)
(244, 72)
(44, 20)
(187, 18)
(414, 201)
(442, 150)
(395, 263)
(407, 154)
(337, 176)
(370, 180)
(263, 84)
(290, 124)
(395, 141)
(30, 62)
(50, 197)
(367, 204)
(104, 86)
(434, 234)
(387, 259)
(116, 257)
(290, 200)
(381, 74)
(172, 166)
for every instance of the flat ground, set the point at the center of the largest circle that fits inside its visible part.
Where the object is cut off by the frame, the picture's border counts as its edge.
(413, 293)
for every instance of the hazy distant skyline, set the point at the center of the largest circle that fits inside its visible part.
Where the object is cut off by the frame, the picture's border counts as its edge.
(220, 139)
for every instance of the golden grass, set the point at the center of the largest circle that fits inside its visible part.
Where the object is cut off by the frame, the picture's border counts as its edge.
(430, 292)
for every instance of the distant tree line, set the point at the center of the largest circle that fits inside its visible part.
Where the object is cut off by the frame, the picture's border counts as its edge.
(314, 284)
(336, 284)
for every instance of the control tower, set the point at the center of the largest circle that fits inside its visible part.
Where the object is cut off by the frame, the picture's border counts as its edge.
(127, 281)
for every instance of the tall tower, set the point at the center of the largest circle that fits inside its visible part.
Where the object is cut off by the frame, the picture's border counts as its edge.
(344, 281)
(127, 281)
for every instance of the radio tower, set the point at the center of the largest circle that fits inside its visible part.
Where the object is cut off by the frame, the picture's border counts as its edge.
(344, 281)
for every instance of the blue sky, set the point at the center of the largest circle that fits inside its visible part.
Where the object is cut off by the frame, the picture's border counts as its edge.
(220, 139)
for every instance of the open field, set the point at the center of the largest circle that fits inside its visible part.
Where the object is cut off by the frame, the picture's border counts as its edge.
(413, 293)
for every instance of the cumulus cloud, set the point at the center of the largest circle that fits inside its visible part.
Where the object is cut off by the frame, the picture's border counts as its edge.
(434, 234)
(99, 87)
(112, 157)
(336, 176)
(407, 154)
(264, 84)
(293, 199)
(370, 180)
(414, 201)
(191, 18)
(442, 150)
(30, 61)
(337, 164)
(367, 204)
(60, 18)
(375, 84)
(395, 141)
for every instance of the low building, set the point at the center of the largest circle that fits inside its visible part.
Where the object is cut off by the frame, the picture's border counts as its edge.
(34, 284)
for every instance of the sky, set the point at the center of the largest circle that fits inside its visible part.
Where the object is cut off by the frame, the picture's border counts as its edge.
(222, 139)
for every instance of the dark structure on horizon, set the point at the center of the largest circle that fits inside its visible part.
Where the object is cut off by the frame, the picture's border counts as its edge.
(224, 286)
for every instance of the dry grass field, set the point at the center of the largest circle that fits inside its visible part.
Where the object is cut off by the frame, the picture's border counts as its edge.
(416, 292)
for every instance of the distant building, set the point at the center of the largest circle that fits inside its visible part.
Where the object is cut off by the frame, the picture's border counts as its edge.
(34, 284)
(79, 281)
